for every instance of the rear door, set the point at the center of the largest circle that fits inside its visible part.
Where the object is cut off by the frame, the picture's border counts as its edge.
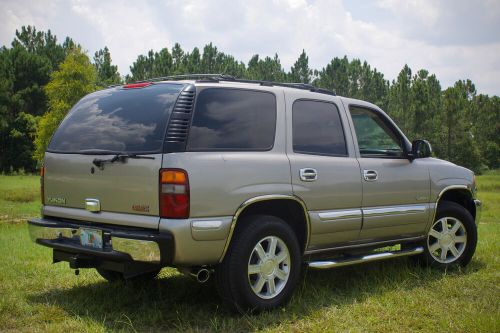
(324, 169)
(82, 172)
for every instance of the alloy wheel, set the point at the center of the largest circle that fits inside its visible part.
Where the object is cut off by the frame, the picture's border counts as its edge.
(269, 267)
(447, 239)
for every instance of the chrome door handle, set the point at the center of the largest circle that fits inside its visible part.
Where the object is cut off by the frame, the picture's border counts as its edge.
(308, 174)
(370, 175)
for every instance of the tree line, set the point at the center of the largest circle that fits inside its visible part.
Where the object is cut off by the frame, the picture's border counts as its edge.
(41, 78)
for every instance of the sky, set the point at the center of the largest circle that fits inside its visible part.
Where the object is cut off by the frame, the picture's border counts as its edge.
(454, 39)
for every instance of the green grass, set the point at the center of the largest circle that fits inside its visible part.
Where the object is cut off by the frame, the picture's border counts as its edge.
(19, 198)
(390, 296)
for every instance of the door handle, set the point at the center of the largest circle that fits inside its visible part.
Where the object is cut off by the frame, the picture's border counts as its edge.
(308, 174)
(370, 175)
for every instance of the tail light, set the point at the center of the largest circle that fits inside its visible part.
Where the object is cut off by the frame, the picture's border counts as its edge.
(42, 190)
(174, 194)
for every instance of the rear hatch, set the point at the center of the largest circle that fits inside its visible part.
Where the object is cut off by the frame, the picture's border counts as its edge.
(106, 156)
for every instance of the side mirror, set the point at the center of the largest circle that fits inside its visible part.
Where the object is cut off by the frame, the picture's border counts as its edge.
(420, 149)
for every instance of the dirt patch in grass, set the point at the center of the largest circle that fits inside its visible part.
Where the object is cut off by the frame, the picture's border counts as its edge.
(9, 219)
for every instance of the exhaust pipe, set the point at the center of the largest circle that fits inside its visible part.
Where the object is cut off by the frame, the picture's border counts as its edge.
(202, 275)
(199, 274)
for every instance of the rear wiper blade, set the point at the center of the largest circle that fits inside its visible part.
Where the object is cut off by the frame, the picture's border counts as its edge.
(97, 152)
(122, 158)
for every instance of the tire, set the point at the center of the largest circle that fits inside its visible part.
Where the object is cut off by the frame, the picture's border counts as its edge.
(455, 245)
(112, 276)
(245, 281)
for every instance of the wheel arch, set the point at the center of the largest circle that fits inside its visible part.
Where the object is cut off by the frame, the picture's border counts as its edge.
(287, 207)
(460, 194)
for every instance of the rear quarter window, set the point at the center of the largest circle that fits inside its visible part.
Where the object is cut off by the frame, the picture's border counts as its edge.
(233, 119)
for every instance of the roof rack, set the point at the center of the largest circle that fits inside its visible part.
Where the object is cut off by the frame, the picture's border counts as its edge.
(198, 77)
(230, 78)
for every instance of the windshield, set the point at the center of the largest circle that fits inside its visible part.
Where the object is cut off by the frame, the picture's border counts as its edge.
(117, 120)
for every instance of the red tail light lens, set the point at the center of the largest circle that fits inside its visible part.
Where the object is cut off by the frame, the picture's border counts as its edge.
(174, 194)
(42, 190)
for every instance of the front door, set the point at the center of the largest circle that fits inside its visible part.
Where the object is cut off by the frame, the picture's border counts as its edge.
(396, 191)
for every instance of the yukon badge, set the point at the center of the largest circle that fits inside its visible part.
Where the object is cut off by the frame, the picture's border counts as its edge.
(93, 205)
(56, 201)
(141, 208)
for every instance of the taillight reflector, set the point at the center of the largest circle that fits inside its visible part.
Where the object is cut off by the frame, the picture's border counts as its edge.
(137, 85)
(174, 194)
(42, 189)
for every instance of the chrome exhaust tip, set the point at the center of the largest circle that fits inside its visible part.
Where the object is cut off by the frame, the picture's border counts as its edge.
(202, 275)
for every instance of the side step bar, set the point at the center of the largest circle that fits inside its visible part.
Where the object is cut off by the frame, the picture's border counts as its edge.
(365, 258)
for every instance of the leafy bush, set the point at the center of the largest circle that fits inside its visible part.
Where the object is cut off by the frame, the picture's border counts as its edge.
(75, 78)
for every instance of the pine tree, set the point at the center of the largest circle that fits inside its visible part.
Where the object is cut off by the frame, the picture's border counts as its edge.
(300, 71)
(399, 100)
(107, 74)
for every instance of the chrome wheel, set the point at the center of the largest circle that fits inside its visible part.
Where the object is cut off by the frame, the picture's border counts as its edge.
(447, 239)
(269, 267)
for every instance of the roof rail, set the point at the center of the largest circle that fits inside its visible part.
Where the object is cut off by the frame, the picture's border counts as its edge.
(230, 78)
(208, 77)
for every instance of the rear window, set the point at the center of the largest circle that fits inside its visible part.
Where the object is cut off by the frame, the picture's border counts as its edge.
(118, 120)
(233, 119)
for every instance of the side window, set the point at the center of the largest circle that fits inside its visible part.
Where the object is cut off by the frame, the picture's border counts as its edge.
(317, 129)
(375, 137)
(233, 119)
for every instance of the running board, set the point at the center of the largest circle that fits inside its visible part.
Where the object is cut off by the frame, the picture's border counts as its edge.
(365, 258)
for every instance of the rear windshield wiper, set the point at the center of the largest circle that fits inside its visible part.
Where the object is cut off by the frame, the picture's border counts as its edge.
(120, 157)
(97, 152)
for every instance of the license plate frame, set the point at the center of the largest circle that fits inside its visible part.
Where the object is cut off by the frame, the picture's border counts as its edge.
(91, 238)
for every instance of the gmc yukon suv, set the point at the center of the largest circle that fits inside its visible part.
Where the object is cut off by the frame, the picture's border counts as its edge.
(247, 180)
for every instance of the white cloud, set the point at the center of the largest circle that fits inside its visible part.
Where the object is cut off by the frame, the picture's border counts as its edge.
(425, 11)
(127, 30)
(453, 40)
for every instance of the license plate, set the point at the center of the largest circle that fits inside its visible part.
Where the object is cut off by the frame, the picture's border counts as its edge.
(91, 238)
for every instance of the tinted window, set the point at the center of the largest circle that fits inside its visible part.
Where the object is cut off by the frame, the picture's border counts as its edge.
(317, 129)
(233, 119)
(118, 120)
(375, 137)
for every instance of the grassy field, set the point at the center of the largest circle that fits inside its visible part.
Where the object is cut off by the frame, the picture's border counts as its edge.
(390, 296)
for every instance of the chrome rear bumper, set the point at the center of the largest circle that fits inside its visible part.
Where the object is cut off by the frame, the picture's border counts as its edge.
(120, 245)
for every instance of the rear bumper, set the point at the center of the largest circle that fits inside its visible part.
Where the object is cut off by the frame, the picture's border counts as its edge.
(479, 207)
(121, 245)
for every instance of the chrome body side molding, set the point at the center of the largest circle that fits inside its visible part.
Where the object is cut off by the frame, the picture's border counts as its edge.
(395, 210)
(343, 226)
(342, 214)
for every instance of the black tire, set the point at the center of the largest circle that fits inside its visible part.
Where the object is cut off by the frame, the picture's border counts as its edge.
(454, 212)
(112, 276)
(232, 278)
